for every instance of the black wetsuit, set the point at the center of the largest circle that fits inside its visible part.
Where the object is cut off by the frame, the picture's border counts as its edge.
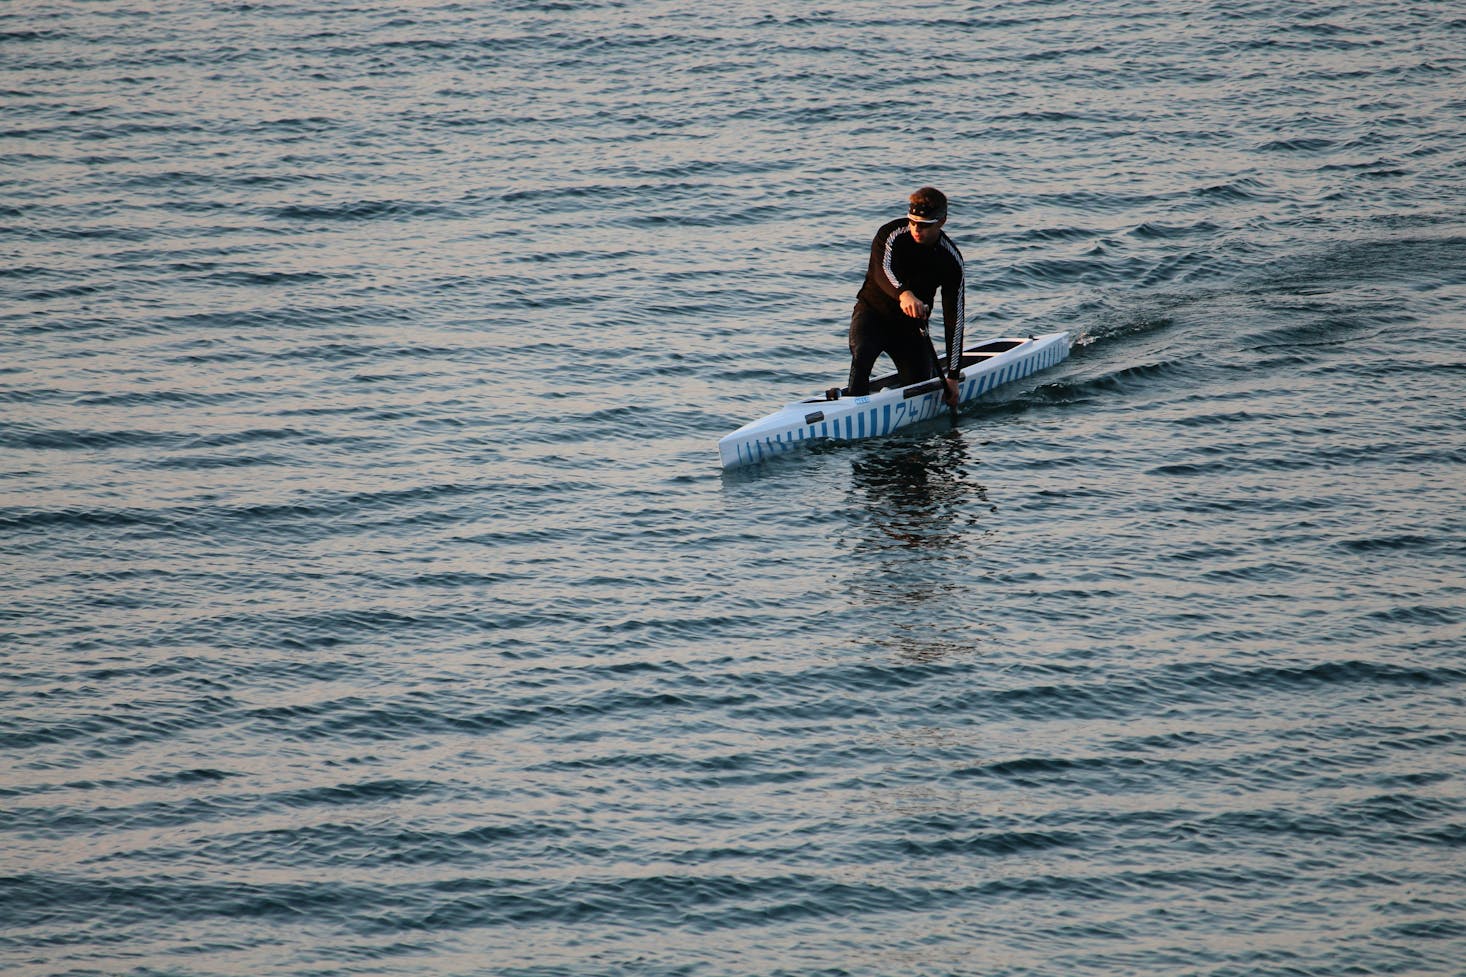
(898, 262)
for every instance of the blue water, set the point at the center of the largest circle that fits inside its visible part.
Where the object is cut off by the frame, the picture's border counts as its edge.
(375, 603)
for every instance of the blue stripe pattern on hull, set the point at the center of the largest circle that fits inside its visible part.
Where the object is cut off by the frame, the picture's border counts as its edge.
(873, 420)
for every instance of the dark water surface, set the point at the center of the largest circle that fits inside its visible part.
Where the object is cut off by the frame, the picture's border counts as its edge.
(375, 604)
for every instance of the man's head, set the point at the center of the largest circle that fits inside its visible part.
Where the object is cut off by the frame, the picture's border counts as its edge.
(926, 212)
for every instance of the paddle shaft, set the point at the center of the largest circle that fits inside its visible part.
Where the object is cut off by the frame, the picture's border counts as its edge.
(937, 360)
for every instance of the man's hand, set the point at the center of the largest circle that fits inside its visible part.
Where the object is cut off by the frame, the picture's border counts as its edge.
(949, 397)
(913, 306)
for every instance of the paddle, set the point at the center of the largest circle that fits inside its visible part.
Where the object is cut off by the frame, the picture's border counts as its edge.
(941, 379)
(926, 330)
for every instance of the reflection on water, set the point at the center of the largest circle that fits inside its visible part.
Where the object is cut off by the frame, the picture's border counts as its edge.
(918, 494)
(919, 516)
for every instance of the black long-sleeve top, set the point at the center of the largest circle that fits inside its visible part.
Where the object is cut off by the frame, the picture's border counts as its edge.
(898, 262)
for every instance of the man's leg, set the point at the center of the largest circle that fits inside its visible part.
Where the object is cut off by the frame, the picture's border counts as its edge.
(867, 341)
(912, 352)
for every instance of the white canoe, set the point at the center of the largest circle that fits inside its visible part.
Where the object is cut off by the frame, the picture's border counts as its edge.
(985, 366)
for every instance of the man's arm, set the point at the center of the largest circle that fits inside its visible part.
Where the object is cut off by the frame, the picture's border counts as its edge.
(954, 311)
(883, 272)
(954, 316)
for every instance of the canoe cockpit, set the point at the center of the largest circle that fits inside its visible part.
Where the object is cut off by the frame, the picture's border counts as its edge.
(970, 357)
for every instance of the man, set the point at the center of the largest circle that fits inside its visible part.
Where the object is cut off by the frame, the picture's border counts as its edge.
(909, 260)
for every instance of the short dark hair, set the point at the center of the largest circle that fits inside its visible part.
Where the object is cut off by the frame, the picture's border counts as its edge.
(928, 202)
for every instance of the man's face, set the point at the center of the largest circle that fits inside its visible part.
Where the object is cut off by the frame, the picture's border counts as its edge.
(927, 234)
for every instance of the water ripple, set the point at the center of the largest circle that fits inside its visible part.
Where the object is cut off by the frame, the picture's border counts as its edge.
(377, 604)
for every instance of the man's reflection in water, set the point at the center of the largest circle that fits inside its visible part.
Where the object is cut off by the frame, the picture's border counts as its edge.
(919, 495)
(918, 513)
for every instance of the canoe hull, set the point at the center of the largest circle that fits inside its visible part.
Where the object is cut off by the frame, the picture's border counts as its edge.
(985, 366)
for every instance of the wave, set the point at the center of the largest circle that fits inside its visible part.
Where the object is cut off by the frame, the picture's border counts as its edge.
(364, 210)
